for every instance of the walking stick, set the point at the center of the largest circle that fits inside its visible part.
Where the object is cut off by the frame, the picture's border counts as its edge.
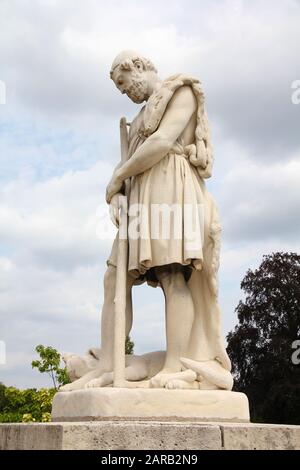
(121, 274)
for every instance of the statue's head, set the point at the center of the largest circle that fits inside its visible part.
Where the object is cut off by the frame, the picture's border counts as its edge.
(132, 74)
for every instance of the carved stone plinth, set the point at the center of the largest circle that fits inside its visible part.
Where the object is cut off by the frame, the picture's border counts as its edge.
(150, 404)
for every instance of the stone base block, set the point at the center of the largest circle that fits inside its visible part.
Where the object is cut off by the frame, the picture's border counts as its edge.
(150, 404)
(139, 435)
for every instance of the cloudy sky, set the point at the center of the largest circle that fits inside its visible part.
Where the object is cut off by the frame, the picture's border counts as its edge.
(59, 143)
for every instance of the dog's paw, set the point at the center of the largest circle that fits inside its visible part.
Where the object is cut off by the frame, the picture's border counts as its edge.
(160, 380)
(67, 388)
(177, 384)
(95, 383)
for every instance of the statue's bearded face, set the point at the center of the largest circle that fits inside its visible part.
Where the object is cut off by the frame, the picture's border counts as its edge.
(133, 83)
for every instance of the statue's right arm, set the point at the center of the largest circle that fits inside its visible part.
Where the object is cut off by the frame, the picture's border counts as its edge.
(181, 108)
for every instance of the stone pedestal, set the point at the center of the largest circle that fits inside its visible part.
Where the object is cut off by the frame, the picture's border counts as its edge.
(140, 435)
(150, 404)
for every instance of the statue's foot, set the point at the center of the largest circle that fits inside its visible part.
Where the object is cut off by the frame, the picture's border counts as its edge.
(210, 374)
(161, 379)
(177, 384)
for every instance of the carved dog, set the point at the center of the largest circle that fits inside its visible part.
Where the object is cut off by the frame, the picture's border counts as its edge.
(136, 367)
(202, 375)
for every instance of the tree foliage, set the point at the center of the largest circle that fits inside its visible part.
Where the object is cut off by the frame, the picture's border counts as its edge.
(129, 345)
(49, 362)
(28, 405)
(261, 345)
(33, 405)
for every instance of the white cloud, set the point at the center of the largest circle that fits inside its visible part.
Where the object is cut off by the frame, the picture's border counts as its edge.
(57, 57)
(261, 201)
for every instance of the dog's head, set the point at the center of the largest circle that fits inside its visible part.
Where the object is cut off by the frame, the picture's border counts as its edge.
(77, 366)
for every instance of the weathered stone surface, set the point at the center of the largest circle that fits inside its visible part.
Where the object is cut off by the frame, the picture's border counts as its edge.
(141, 435)
(260, 437)
(110, 436)
(39, 436)
(157, 404)
(135, 435)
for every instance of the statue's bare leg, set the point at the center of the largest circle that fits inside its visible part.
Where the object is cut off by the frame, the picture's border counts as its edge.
(179, 320)
(107, 329)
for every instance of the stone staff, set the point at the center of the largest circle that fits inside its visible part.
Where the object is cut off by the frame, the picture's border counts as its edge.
(120, 292)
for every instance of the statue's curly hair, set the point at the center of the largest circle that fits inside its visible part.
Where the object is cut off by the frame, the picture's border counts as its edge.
(129, 64)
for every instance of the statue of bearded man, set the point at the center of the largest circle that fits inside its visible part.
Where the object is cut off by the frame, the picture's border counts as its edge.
(170, 155)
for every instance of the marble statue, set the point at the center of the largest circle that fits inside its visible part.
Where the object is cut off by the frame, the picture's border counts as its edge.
(168, 157)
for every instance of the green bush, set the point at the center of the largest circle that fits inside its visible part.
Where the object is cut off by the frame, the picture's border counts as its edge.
(28, 405)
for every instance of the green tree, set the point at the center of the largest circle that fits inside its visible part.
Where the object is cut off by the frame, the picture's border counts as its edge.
(261, 345)
(31, 405)
(49, 362)
(2, 396)
(28, 405)
(129, 345)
